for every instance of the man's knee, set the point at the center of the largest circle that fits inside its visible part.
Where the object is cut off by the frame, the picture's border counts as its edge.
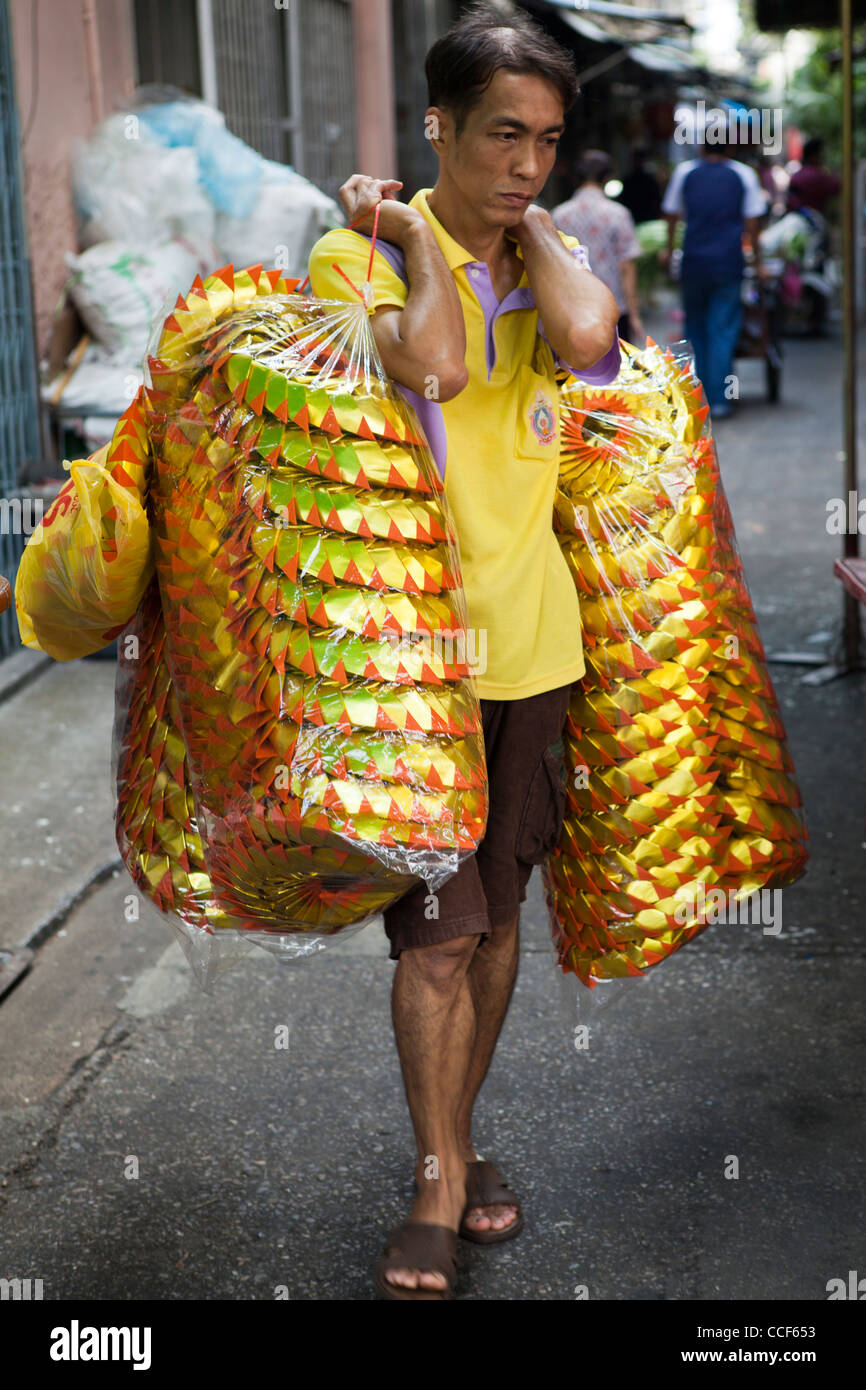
(443, 962)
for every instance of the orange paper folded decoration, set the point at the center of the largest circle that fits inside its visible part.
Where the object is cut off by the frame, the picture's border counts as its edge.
(297, 741)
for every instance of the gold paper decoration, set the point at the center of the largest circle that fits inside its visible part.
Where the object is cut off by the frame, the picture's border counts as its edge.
(679, 777)
(300, 741)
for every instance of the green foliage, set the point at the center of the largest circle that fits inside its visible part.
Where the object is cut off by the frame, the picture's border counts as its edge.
(653, 237)
(815, 103)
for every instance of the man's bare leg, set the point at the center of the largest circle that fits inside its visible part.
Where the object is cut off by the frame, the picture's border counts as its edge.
(492, 976)
(434, 1024)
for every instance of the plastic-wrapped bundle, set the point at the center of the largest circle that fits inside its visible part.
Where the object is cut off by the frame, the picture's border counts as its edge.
(679, 778)
(86, 566)
(295, 741)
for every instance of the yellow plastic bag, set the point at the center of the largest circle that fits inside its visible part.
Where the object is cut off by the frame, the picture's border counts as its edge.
(87, 564)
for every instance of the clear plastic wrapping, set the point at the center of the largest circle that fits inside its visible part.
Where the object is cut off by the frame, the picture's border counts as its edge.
(297, 740)
(681, 791)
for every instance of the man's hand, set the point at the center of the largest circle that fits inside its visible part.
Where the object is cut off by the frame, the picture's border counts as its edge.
(423, 342)
(533, 220)
(577, 309)
(361, 194)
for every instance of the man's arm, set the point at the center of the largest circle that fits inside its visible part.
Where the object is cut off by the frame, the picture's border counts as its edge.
(577, 309)
(673, 208)
(427, 336)
(672, 219)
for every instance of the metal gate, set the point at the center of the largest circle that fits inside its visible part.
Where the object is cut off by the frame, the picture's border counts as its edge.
(284, 77)
(281, 71)
(19, 399)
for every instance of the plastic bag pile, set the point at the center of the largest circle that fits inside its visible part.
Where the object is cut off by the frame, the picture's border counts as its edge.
(682, 796)
(164, 191)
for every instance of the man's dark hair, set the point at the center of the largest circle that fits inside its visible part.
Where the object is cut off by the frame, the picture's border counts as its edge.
(593, 166)
(813, 150)
(723, 141)
(461, 63)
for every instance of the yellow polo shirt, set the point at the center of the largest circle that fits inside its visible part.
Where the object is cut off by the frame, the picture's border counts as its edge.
(496, 445)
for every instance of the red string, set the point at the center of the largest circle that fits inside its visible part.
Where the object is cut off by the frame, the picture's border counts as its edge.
(373, 240)
(342, 272)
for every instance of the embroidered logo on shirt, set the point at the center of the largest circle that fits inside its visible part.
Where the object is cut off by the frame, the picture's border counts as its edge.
(542, 419)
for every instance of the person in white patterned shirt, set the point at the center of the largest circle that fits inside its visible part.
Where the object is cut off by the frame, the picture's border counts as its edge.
(607, 231)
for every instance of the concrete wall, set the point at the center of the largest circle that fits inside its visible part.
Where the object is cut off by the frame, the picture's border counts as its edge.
(75, 65)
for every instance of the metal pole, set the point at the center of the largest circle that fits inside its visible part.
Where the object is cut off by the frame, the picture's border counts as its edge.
(94, 61)
(295, 124)
(374, 88)
(850, 540)
(207, 53)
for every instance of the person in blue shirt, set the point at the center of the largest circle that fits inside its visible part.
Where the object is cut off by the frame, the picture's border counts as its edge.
(719, 199)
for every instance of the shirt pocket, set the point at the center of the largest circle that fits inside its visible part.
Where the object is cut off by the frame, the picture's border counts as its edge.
(536, 427)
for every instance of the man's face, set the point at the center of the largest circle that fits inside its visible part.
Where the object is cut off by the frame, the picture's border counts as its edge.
(504, 153)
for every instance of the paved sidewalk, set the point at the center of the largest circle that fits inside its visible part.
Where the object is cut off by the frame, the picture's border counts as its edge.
(260, 1168)
(57, 810)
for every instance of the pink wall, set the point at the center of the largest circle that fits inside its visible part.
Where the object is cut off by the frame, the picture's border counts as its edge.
(375, 112)
(74, 83)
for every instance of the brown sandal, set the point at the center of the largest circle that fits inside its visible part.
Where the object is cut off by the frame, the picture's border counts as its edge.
(484, 1188)
(418, 1245)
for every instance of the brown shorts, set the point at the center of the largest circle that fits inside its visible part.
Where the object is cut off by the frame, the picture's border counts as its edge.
(526, 775)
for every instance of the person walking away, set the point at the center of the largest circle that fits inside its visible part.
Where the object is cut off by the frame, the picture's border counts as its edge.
(719, 199)
(812, 186)
(606, 231)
